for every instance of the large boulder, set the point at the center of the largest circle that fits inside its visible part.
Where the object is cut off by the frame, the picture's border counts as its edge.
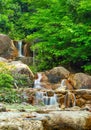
(23, 76)
(20, 68)
(80, 80)
(7, 48)
(67, 120)
(56, 74)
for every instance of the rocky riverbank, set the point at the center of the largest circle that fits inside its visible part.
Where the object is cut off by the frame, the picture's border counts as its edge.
(48, 120)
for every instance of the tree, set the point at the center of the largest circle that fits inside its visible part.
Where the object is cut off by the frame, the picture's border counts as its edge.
(59, 30)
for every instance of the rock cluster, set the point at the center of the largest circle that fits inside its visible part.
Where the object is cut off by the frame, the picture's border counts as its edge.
(52, 79)
(55, 120)
(73, 94)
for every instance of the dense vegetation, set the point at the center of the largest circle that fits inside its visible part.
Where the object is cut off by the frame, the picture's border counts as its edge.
(60, 30)
(7, 92)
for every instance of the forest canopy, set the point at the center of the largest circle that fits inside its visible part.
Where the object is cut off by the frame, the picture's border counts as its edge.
(59, 30)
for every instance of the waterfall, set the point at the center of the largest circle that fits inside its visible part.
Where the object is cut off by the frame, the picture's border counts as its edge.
(39, 97)
(70, 99)
(63, 85)
(53, 100)
(20, 48)
(43, 96)
(74, 103)
(37, 83)
(45, 99)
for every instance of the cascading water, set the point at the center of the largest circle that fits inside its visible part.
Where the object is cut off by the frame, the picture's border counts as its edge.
(45, 99)
(70, 99)
(63, 84)
(39, 96)
(37, 83)
(43, 96)
(74, 104)
(20, 48)
(53, 100)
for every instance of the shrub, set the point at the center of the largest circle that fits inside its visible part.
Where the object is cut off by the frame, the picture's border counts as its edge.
(9, 96)
(6, 81)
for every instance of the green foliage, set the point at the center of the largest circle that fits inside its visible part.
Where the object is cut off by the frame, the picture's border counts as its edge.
(22, 81)
(7, 93)
(60, 31)
(6, 81)
(4, 68)
(87, 68)
(9, 96)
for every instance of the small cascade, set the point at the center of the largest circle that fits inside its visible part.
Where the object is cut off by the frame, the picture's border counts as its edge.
(53, 100)
(44, 96)
(63, 84)
(74, 103)
(70, 99)
(20, 48)
(39, 96)
(45, 99)
(37, 83)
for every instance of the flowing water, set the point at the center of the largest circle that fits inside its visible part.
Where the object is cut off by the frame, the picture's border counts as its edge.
(43, 96)
(45, 99)
(70, 100)
(63, 84)
(20, 48)
(53, 100)
(37, 83)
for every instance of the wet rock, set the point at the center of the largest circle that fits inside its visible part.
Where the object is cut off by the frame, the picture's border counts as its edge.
(50, 93)
(7, 48)
(80, 102)
(65, 85)
(61, 100)
(87, 107)
(69, 99)
(87, 96)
